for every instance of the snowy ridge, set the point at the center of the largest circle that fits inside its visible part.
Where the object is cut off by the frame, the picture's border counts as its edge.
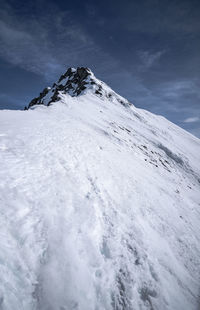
(99, 208)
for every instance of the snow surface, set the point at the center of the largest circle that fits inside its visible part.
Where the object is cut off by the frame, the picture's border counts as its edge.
(100, 209)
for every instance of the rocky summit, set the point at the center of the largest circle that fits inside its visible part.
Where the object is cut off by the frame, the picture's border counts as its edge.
(75, 82)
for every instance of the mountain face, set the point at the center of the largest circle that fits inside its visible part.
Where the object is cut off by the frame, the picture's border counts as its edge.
(100, 204)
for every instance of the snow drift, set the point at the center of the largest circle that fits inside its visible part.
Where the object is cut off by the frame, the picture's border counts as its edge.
(100, 204)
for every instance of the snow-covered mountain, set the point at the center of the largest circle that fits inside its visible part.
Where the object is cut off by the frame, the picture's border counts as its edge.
(100, 204)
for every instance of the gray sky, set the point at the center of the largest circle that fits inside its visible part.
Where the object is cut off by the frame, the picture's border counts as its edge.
(148, 51)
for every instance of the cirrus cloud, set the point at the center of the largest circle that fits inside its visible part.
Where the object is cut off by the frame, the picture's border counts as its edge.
(192, 119)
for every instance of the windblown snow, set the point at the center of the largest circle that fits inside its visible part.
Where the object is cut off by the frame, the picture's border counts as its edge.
(100, 208)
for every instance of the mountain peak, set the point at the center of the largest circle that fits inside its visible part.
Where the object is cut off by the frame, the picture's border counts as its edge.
(75, 82)
(80, 73)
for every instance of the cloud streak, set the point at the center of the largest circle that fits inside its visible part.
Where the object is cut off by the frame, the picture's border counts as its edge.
(191, 119)
(148, 59)
(31, 44)
(22, 48)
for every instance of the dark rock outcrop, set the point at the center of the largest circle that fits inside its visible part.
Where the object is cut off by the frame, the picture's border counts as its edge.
(39, 99)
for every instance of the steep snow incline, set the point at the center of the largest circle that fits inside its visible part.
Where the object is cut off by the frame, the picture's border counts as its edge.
(100, 209)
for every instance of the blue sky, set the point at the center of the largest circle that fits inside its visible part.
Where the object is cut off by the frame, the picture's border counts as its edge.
(148, 51)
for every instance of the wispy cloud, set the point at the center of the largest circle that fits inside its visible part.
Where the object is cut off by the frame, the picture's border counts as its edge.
(47, 46)
(148, 59)
(183, 89)
(160, 16)
(22, 48)
(191, 119)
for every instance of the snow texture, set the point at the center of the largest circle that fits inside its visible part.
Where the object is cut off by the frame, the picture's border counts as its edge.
(100, 208)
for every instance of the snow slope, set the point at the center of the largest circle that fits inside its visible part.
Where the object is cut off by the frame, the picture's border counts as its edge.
(100, 208)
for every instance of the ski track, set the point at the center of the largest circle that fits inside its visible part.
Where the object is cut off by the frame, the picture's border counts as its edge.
(96, 212)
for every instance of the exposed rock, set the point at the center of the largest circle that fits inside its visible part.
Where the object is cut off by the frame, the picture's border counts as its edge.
(38, 100)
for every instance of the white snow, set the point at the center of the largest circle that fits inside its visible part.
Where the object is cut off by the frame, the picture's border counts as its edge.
(100, 209)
